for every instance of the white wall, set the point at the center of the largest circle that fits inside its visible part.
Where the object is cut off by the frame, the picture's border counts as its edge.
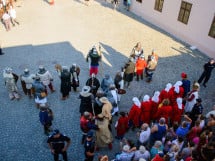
(195, 32)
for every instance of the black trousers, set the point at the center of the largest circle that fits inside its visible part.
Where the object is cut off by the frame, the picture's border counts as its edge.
(64, 154)
(206, 76)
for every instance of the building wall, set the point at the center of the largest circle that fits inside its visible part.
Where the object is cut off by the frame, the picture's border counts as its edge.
(195, 32)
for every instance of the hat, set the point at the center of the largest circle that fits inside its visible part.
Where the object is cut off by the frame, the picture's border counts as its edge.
(86, 113)
(56, 131)
(85, 89)
(103, 100)
(100, 116)
(90, 134)
(125, 148)
(183, 75)
(199, 100)
(142, 149)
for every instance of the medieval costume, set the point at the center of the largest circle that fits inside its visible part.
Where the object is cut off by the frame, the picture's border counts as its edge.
(146, 108)
(27, 80)
(119, 82)
(129, 72)
(137, 51)
(150, 68)
(113, 98)
(192, 96)
(165, 111)
(86, 100)
(140, 67)
(95, 56)
(65, 86)
(177, 91)
(75, 71)
(106, 82)
(121, 125)
(46, 78)
(166, 93)
(39, 92)
(106, 108)
(103, 135)
(134, 114)
(178, 110)
(94, 83)
(155, 101)
(97, 104)
(10, 80)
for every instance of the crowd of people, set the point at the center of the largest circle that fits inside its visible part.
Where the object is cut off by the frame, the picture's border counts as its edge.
(170, 125)
(8, 14)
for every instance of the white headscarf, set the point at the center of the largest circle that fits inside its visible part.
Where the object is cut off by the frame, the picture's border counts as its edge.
(146, 98)
(168, 86)
(179, 103)
(136, 102)
(176, 85)
(155, 98)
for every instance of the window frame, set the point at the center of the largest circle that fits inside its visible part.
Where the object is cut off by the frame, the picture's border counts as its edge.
(211, 32)
(159, 5)
(184, 12)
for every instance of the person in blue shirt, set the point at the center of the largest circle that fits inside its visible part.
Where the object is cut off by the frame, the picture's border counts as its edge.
(183, 130)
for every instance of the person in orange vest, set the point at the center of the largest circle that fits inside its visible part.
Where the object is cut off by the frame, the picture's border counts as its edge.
(140, 67)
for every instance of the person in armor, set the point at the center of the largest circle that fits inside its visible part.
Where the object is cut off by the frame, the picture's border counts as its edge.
(46, 78)
(27, 80)
(94, 56)
(106, 82)
(39, 92)
(65, 86)
(10, 80)
(137, 51)
(94, 83)
(75, 71)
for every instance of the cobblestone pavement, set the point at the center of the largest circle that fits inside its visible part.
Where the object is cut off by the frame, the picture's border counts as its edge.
(63, 34)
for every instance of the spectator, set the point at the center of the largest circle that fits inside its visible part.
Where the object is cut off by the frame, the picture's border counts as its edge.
(141, 153)
(144, 135)
(125, 155)
(12, 13)
(183, 130)
(156, 149)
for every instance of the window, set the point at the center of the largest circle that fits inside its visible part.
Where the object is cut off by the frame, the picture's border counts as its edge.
(212, 29)
(159, 5)
(139, 1)
(184, 12)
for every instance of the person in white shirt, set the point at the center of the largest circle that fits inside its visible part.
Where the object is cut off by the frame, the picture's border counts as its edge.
(6, 20)
(12, 13)
(144, 135)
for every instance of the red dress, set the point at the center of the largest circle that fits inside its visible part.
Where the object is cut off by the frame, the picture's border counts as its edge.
(145, 116)
(175, 95)
(154, 109)
(165, 95)
(134, 115)
(177, 113)
(164, 111)
(122, 126)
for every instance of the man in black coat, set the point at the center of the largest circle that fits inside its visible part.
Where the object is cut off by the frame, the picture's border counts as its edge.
(208, 67)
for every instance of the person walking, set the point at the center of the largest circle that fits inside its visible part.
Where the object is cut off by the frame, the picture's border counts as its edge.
(46, 117)
(94, 83)
(65, 86)
(75, 71)
(89, 147)
(10, 80)
(56, 143)
(208, 67)
(27, 80)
